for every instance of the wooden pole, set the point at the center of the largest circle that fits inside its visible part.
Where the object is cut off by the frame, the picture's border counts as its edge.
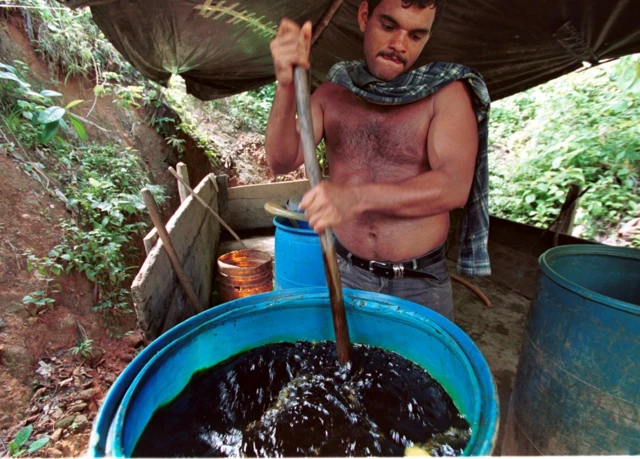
(326, 19)
(201, 201)
(154, 212)
(326, 238)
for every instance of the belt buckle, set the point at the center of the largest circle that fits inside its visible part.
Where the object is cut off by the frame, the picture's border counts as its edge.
(398, 269)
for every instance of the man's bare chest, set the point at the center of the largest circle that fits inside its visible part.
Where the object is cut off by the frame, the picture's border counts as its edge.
(377, 138)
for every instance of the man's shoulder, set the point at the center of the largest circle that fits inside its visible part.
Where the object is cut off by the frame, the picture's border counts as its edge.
(330, 91)
(454, 91)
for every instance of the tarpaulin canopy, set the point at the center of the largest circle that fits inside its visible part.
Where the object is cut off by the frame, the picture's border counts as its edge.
(221, 48)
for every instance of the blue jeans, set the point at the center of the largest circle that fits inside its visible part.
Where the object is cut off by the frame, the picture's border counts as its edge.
(434, 294)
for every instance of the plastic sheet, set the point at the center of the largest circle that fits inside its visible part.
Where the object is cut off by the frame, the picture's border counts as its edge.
(221, 48)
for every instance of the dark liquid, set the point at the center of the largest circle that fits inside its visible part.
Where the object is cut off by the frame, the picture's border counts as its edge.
(296, 400)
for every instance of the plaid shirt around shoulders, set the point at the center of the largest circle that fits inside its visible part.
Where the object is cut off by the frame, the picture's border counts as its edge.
(473, 259)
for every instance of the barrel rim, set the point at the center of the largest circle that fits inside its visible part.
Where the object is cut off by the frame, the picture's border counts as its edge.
(482, 423)
(490, 419)
(582, 249)
(278, 223)
(223, 264)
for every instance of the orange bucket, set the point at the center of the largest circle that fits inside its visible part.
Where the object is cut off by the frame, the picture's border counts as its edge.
(244, 273)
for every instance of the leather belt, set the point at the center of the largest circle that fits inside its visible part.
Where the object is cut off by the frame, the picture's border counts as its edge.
(392, 270)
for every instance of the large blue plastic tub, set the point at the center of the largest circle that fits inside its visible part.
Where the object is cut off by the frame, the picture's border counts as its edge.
(164, 368)
(577, 388)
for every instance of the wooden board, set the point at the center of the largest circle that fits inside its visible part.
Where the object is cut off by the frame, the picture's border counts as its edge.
(245, 204)
(514, 249)
(159, 300)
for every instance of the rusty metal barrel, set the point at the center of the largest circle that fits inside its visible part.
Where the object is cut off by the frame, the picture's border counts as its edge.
(243, 273)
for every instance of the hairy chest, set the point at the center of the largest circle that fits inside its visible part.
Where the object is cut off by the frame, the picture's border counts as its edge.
(378, 139)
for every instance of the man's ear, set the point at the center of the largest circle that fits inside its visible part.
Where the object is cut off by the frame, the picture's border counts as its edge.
(363, 15)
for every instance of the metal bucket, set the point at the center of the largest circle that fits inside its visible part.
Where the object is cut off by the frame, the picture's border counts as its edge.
(163, 369)
(576, 391)
(244, 273)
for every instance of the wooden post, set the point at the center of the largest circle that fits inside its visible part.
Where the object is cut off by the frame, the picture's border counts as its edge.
(150, 240)
(154, 212)
(564, 222)
(206, 206)
(183, 172)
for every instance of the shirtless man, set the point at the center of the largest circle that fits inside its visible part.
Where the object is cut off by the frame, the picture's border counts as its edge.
(396, 170)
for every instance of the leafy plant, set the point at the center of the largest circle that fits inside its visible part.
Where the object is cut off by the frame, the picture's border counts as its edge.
(16, 447)
(581, 129)
(37, 107)
(47, 267)
(71, 42)
(84, 348)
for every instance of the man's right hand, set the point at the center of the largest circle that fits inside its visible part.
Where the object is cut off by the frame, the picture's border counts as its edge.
(291, 47)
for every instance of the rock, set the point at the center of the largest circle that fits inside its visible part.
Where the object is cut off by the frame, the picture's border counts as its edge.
(57, 413)
(68, 324)
(52, 452)
(66, 448)
(80, 423)
(133, 340)
(55, 436)
(18, 362)
(76, 407)
(65, 422)
(87, 394)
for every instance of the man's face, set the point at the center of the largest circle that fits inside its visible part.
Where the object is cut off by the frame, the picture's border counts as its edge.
(394, 36)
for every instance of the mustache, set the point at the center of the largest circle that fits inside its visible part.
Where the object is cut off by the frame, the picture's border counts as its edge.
(393, 55)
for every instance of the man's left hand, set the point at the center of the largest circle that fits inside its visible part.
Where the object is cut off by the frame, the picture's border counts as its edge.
(327, 205)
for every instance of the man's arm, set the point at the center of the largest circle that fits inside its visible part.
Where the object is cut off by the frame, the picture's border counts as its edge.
(290, 48)
(452, 148)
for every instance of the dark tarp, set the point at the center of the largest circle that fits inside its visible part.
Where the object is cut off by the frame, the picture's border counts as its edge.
(222, 48)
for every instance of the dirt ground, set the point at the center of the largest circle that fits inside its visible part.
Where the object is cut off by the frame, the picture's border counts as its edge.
(41, 382)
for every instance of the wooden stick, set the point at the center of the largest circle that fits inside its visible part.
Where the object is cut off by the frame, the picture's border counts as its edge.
(312, 168)
(473, 288)
(326, 19)
(154, 212)
(201, 201)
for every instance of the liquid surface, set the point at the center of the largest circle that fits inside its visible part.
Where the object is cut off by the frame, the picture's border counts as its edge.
(296, 400)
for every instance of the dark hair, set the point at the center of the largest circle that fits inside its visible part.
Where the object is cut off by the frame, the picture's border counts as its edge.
(437, 4)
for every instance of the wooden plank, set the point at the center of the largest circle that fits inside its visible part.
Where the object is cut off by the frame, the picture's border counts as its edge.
(183, 172)
(159, 302)
(150, 240)
(246, 203)
(514, 249)
(272, 190)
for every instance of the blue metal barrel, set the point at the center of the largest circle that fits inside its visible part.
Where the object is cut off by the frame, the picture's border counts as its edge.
(298, 256)
(162, 370)
(577, 387)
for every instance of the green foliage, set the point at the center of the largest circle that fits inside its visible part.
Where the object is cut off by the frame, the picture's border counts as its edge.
(184, 124)
(126, 96)
(16, 447)
(107, 195)
(84, 348)
(69, 40)
(252, 108)
(103, 186)
(582, 129)
(105, 191)
(21, 102)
